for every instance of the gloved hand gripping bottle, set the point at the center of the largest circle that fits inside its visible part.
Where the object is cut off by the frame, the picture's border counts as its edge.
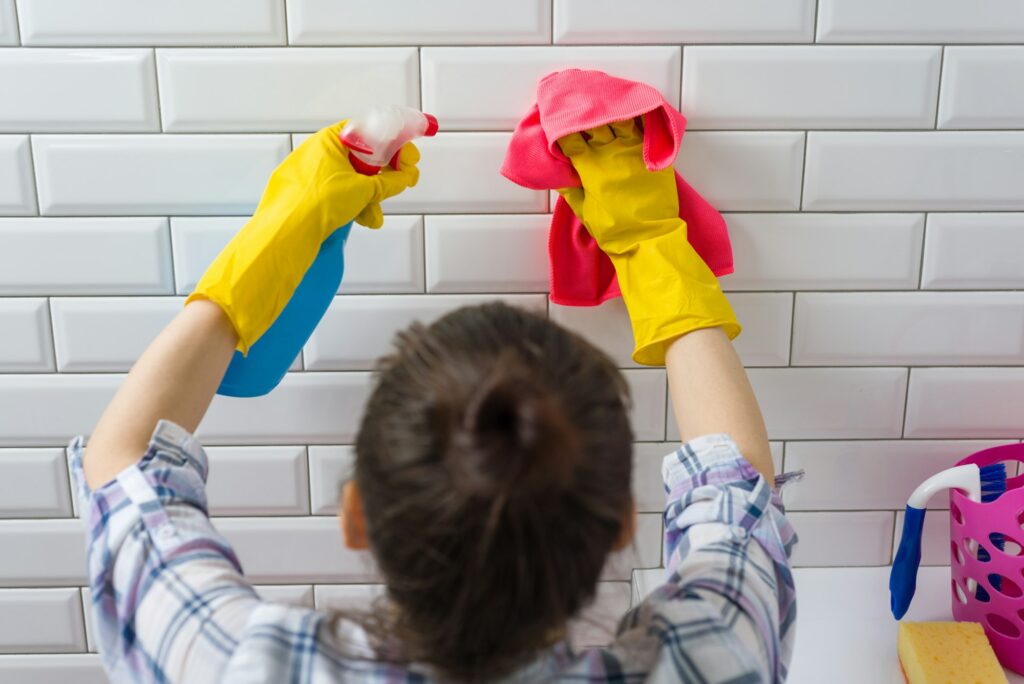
(373, 140)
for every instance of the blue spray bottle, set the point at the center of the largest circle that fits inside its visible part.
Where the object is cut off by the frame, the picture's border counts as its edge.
(373, 139)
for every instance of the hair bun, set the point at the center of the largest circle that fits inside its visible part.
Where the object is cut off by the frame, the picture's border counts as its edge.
(514, 433)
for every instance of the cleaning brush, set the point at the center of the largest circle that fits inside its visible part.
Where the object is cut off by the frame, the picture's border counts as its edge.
(982, 484)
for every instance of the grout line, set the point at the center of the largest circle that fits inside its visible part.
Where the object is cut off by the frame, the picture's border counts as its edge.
(309, 479)
(814, 25)
(17, 23)
(170, 254)
(53, 334)
(419, 78)
(679, 81)
(551, 21)
(938, 89)
(287, 33)
(803, 170)
(540, 45)
(924, 246)
(527, 212)
(156, 87)
(525, 293)
(321, 516)
(890, 439)
(84, 622)
(35, 177)
(906, 402)
(792, 332)
(670, 413)
(501, 129)
(969, 294)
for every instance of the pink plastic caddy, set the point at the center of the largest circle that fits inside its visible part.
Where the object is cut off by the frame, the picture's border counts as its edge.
(987, 546)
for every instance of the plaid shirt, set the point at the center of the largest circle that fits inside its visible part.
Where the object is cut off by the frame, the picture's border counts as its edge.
(171, 603)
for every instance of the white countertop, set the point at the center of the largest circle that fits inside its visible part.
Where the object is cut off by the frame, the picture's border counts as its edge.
(845, 633)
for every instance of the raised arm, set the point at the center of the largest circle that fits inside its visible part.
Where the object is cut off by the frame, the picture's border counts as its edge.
(711, 394)
(174, 379)
(680, 316)
(313, 192)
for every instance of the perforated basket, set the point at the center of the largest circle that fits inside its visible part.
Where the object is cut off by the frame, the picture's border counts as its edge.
(987, 558)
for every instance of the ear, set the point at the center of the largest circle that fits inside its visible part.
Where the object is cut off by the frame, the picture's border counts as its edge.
(628, 528)
(353, 524)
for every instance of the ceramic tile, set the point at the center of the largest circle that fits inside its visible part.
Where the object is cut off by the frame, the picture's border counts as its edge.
(460, 88)
(276, 481)
(34, 484)
(919, 21)
(982, 87)
(329, 467)
(86, 91)
(96, 256)
(233, 90)
(831, 403)
(648, 390)
(291, 594)
(686, 21)
(459, 174)
(41, 621)
(744, 171)
(155, 174)
(842, 539)
(935, 171)
(973, 251)
(42, 553)
(52, 669)
(8, 23)
(322, 22)
(810, 87)
(965, 403)
(108, 334)
(868, 474)
(825, 251)
(17, 184)
(49, 410)
(487, 253)
(123, 22)
(306, 408)
(911, 328)
(26, 344)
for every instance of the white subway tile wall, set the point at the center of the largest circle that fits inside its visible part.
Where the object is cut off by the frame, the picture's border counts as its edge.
(867, 156)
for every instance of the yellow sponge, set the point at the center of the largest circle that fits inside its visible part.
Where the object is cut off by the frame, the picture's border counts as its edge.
(947, 653)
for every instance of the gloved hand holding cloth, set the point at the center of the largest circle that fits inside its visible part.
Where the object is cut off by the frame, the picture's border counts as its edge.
(633, 215)
(313, 192)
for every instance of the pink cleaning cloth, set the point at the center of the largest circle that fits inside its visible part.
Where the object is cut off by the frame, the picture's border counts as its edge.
(576, 100)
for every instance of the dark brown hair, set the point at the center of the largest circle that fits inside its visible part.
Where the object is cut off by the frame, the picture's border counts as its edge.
(494, 465)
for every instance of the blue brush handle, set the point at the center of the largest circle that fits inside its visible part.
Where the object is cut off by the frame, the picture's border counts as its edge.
(903, 576)
(273, 354)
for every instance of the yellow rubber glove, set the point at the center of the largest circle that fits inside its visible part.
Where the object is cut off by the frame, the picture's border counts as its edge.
(633, 214)
(312, 193)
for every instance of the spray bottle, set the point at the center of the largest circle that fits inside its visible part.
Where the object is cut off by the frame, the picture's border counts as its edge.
(373, 140)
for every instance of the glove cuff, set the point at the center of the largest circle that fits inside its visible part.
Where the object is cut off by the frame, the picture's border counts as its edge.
(669, 291)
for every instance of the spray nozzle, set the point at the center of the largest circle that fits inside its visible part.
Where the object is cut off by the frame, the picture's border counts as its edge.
(376, 137)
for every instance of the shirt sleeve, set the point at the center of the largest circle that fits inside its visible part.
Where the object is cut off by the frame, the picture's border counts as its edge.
(728, 607)
(167, 590)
